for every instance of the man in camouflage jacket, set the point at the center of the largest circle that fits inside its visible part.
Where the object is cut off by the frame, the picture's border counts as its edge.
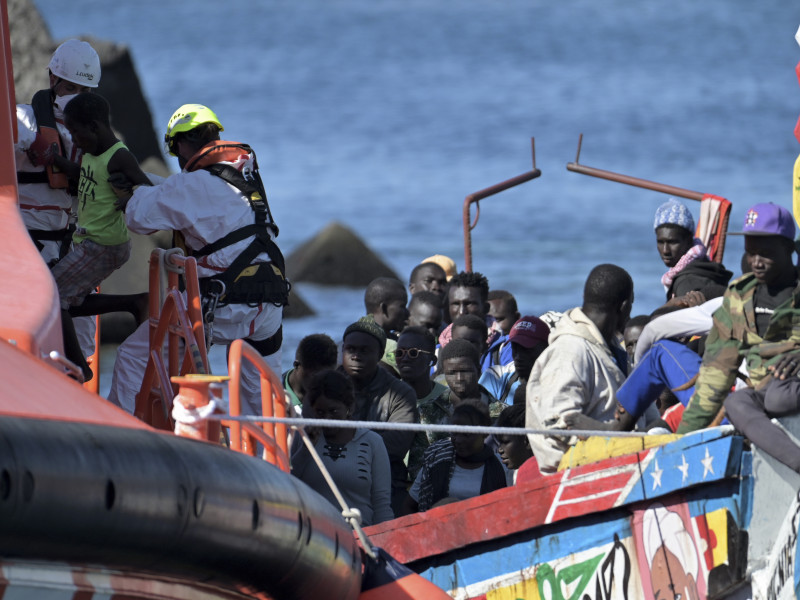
(758, 322)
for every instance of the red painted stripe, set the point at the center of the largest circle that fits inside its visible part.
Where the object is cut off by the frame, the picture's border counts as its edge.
(84, 588)
(486, 517)
(43, 207)
(581, 489)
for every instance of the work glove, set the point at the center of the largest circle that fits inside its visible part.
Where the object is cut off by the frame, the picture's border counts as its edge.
(41, 154)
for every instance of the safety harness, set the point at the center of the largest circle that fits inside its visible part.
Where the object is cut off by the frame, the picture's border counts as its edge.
(243, 282)
(47, 130)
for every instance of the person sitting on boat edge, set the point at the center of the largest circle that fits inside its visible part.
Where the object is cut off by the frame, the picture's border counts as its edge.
(668, 364)
(415, 355)
(758, 321)
(101, 243)
(380, 396)
(223, 220)
(458, 467)
(691, 277)
(315, 353)
(425, 310)
(584, 364)
(385, 301)
(355, 458)
(528, 339)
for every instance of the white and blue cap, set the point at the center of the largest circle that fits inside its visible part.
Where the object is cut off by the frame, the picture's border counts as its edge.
(673, 212)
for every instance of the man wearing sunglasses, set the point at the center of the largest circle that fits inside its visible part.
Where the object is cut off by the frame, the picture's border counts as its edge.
(415, 357)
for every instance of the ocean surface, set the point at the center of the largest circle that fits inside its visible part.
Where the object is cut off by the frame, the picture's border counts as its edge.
(385, 114)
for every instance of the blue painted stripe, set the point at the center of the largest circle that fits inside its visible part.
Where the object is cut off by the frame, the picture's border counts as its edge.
(540, 545)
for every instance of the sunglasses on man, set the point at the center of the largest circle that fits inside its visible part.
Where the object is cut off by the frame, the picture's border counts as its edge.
(411, 352)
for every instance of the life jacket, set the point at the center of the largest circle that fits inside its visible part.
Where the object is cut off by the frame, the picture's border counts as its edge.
(46, 130)
(245, 283)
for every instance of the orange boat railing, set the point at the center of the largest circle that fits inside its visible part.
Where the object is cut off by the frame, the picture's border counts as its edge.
(178, 323)
(245, 437)
(185, 376)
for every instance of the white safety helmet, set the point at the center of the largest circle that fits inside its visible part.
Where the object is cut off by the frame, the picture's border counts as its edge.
(76, 61)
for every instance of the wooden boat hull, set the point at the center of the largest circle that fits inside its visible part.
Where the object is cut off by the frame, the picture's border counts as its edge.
(595, 531)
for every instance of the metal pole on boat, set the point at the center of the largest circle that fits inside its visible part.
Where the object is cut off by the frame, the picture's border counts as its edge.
(716, 215)
(628, 180)
(485, 193)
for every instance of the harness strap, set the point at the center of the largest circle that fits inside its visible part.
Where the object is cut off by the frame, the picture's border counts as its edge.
(261, 243)
(32, 177)
(43, 207)
(507, 390)
(49, 235)
(270, 345)
(251, 186)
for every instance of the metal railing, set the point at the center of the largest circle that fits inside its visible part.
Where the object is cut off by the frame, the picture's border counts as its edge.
(475, 198)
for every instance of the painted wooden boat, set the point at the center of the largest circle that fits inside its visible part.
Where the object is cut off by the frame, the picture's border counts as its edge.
(595, 529)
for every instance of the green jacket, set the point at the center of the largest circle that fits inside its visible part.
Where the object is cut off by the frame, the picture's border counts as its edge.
(733, 338)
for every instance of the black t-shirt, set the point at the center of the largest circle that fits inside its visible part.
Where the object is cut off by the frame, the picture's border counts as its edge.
(766, 300)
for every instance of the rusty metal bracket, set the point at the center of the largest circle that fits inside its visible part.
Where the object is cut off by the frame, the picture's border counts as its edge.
(576, 167)
(475, 198)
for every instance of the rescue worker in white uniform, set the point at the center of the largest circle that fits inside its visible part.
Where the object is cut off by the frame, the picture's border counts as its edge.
(48, 208)
(229, 231)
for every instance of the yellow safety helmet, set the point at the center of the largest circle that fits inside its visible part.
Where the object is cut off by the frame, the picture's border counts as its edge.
(186, 118)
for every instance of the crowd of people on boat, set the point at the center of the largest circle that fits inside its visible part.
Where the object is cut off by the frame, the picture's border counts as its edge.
(442, 348)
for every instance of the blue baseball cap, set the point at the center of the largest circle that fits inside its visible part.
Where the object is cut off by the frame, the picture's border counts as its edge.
(768, 219)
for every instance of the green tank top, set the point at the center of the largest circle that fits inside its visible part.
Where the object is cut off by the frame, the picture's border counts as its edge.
(97, 216)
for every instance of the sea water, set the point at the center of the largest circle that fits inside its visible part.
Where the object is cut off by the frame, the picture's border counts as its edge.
(385, 114)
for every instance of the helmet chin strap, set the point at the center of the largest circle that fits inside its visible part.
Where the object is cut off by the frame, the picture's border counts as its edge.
(56, 81)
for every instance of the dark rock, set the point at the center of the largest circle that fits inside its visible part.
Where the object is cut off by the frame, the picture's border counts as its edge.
(31, 49)
(130, 114)
(336, 256)
(297, 307)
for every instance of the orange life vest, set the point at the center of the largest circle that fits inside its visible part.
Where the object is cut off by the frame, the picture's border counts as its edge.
(47, 132)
